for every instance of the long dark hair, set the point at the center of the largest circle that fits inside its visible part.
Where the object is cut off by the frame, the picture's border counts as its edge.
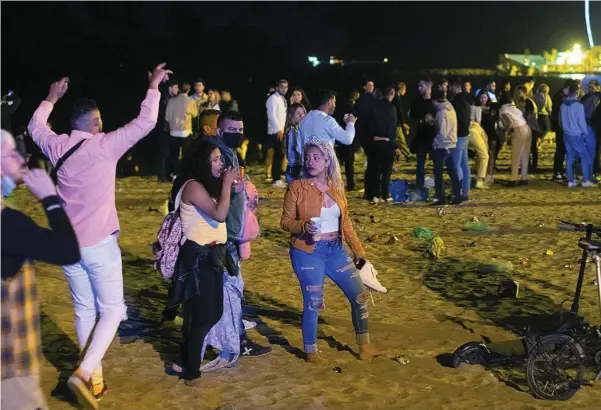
(196, 165)
(305, 101)
(290, 111)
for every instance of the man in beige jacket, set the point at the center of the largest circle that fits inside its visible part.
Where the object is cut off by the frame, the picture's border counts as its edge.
(178, 116)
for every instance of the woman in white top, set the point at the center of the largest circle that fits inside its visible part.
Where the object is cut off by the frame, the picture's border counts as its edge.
(203, 203)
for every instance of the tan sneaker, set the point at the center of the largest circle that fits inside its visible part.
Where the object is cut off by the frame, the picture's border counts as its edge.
(82, 390)
(314, 358)
(368, 351)
(99, 390)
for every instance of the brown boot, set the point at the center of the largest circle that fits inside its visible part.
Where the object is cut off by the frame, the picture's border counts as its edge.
(313, 357)
(368, 351)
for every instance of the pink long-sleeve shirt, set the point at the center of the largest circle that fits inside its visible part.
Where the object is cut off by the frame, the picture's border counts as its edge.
(86, 181)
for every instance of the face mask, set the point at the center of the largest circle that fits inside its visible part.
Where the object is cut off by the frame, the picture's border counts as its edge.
(232, 139)
(8, 185)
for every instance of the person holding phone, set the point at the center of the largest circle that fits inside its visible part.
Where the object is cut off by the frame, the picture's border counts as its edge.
(23, 242)
(316, 215)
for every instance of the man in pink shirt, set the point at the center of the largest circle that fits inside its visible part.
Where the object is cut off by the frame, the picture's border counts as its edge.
(86, 185)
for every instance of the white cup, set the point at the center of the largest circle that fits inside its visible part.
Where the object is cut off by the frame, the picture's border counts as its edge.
(317, 222)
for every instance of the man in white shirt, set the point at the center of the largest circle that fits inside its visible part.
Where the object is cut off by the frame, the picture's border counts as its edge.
(178, 116)
(276, 121)
(319, 123)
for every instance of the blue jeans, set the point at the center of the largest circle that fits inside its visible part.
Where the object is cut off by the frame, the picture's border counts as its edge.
(576, 147)
(441, 158)
(591, 147)
(461, 164)
(328, 259)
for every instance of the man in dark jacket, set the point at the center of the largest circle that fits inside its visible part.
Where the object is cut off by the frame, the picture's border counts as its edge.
(423, 114)
(364, 111)
(402, 125)
(346, 153)
(383, 148)
(461, 104)
(560, 148)
(590, 102)
(161, 130)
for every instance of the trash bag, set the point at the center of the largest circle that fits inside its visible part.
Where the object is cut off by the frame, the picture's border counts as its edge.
(435, 247)
(421, 232)
(399, 189)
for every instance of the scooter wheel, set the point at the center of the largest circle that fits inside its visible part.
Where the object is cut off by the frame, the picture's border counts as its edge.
(472, 353)
(555, 368)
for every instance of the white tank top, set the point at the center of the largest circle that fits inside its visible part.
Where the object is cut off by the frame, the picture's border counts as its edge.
(330, 219)
(197, 226)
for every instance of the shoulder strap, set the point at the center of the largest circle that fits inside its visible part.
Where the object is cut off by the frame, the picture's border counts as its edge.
(177, 203)
(61, 161)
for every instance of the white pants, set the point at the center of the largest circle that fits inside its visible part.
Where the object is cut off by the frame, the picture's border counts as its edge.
(96, 283)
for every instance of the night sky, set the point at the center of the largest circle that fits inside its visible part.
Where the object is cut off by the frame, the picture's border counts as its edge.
(104, 46)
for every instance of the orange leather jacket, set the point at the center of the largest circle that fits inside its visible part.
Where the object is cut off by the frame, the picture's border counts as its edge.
(302, 202)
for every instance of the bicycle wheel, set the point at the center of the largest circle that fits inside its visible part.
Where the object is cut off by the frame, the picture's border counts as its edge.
(555, 368)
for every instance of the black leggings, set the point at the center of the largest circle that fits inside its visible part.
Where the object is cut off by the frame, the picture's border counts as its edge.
(201, 313)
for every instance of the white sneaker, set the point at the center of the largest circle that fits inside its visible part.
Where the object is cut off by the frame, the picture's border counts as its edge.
(572, 184)
(248, 324)
(489, 180)
(376, 201)
(480, 185)
(279, 184)
(589, 184)
(388, 200)
(368, 276)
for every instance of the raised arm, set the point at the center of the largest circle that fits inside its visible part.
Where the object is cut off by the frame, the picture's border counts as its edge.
(198, 196)
(121, 140)
(41, 134)
(344, 136)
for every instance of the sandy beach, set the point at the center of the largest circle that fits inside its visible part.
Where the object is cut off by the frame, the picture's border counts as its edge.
(430, 309)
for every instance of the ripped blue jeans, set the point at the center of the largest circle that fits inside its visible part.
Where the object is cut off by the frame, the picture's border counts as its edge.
(329, 259)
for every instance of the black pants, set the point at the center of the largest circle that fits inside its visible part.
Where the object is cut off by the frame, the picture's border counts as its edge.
(367, 150)
(162, 141)
(346, 157)
(278, 156)
(201, 313)
(533, 164)
(442, 157)
(379, 169)
(560, 153)
(175, 145)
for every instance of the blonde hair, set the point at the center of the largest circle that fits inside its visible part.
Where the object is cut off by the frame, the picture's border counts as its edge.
(332, 170)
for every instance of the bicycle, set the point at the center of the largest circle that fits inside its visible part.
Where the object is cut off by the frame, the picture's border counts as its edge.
(557, 364)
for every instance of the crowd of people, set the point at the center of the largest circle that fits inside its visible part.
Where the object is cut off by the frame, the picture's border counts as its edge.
(303, 149)
(444, 122)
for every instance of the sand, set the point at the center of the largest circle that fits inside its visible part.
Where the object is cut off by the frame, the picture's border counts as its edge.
(430, 309)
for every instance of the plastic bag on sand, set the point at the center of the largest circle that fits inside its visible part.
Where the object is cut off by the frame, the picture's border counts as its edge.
(475, 226)
(435, 247)
(421, 232)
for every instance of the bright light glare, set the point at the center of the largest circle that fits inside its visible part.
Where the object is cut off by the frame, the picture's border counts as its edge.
(587, 18)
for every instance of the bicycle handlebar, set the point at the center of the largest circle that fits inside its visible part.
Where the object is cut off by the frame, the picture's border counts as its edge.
(572, 227)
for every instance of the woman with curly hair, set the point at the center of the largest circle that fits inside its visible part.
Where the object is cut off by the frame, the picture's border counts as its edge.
(316, 214)
(203, 202)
